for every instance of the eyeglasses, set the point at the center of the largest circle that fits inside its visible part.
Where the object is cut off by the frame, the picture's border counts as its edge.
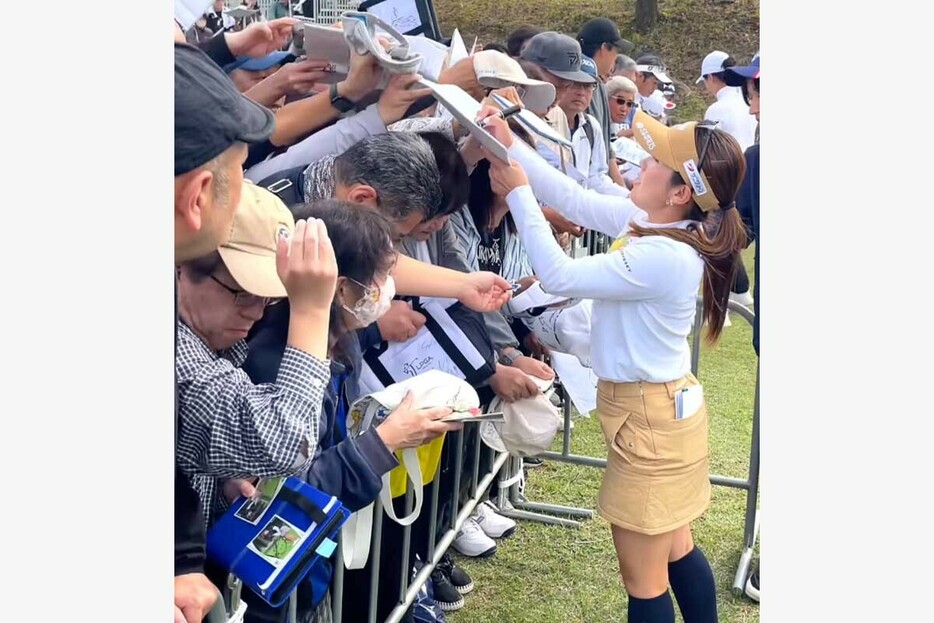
(370, 292)
(242, 298)
(584, 86)
(560, 84)
(621, 101)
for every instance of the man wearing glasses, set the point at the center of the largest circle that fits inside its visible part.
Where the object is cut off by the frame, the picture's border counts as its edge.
(230, 427)
(591, 160)
(559, 58)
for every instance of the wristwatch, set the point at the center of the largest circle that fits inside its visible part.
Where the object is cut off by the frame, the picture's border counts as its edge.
(340, 102)
(508, 355)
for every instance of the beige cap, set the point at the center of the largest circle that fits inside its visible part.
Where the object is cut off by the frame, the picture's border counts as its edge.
(495, 70)
(250, 252)
(675, 148)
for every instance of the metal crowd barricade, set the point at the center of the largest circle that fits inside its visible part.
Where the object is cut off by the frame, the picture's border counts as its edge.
(510, 470)
(436, 549)
(407, 591)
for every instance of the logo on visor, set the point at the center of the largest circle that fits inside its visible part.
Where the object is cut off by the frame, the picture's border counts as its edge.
(645, 135)
(694, 176)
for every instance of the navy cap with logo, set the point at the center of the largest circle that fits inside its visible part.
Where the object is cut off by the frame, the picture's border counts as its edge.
(588, 66)
(737, 76)
(602, 30)
(210, 114)
(557, 54)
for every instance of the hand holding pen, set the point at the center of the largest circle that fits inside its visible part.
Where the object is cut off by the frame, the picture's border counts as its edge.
(502, 114)
(493, 120)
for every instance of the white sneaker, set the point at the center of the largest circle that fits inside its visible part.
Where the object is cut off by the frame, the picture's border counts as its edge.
(471, 541)
(745, 299)
(492, 523)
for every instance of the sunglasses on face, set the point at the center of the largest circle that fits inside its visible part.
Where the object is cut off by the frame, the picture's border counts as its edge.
(624, 102)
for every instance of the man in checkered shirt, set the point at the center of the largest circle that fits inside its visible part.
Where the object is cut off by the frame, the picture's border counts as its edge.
(230, 428)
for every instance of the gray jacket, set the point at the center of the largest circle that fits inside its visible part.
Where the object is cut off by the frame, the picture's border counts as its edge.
(600, 108)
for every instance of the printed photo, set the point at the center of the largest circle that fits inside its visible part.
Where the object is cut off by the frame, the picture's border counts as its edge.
(276, 541)
(254, 509)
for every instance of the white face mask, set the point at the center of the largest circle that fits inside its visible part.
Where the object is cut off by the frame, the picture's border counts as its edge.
(368, 309)
(187, 11)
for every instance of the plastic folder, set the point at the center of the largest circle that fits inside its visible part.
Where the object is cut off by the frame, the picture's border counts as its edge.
(272, 540)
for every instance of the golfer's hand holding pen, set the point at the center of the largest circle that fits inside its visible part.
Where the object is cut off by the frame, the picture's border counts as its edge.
(504, 176)
(493, 120)
(504, 114)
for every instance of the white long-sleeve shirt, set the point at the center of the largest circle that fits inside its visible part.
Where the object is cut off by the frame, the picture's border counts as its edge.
(591, 161)
(331, 141)
(644, 294)
(733, 114)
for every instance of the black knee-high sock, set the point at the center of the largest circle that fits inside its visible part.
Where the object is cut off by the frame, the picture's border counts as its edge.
(691, 580)
(656, 610)
(741, 280)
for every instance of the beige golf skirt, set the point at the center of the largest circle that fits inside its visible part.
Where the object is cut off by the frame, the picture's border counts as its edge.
(657, 478)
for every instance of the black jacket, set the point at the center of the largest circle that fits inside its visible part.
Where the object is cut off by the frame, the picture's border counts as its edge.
(349, 468)
(747, 202)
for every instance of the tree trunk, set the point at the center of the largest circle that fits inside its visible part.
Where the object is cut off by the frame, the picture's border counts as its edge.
(646, 15)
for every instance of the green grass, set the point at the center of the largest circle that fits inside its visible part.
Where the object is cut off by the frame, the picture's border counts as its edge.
(686, 31)
(562, 575)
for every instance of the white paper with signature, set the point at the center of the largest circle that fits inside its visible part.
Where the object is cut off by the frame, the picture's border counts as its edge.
(579, 382)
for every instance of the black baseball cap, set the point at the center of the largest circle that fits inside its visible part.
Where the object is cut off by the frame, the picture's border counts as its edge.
(557, 54)
(602, 30)
(210, 114)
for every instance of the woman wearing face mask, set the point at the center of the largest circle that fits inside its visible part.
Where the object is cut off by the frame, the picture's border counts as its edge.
(678, 232)
(349, 468)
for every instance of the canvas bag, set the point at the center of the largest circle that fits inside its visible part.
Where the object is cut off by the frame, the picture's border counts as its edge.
(529, 429)
(430, 389)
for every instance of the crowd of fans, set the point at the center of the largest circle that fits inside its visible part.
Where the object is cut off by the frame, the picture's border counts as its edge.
(310, 216)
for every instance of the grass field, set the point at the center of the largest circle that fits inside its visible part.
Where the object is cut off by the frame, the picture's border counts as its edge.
(552, 574)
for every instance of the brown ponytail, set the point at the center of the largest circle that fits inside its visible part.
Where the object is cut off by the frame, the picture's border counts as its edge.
(721, 236)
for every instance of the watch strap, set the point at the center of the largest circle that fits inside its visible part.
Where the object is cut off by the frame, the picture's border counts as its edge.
(338, 101)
